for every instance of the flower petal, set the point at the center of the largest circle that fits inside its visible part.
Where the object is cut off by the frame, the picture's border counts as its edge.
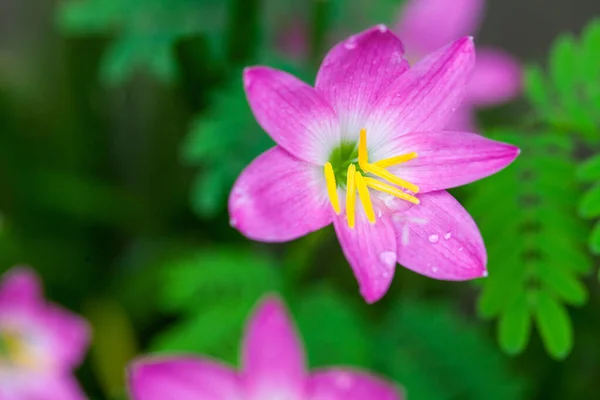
(496, 78)
(293, 113)
(68, 333)
(449, 159)
(183, 378)
(426, 25)
(356, 71)
(272, 354)
(423, 99)
(41, 387)
(20, 285)
(438, 238)
(279, 198)
(463, 119)
(345, 384)
(371, 252)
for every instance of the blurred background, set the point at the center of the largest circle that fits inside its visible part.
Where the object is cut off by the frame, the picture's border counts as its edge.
(123, 124)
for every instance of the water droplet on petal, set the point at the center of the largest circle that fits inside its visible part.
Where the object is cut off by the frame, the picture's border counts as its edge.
(448, 235)
(461, 248)
(434, 270)
(382, 28)
(388, 258)
(350, 43)
(434, 238)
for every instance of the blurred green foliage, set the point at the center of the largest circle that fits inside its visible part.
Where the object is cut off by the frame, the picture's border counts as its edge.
(115, 188)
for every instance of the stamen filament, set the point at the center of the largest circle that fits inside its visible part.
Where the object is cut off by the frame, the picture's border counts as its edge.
(365, 198)
(389, 162)
(332, 187)
(363, 154)
(382, 187)
(351, 196)
(388, 176)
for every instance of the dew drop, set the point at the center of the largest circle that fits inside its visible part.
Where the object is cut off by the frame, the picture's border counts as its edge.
(434, 238)
(382, 28)
(434, 270)
(448, 235)
(350, 43)
(388, 258)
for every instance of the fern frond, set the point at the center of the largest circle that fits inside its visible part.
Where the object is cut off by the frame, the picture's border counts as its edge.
(536, 246)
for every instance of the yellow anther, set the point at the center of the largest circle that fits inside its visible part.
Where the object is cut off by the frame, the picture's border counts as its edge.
(351, 196)
(382, 187)
(389, 162)
(332, 187)
(365, 198)
(388, 176)
(363, 154)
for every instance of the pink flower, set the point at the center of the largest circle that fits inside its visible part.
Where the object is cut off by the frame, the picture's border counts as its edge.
(273, 368)
(426, 25)
(40, 343)
(371, 125)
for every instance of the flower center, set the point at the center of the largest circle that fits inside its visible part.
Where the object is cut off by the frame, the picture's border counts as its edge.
(13, 350)
(356, 182)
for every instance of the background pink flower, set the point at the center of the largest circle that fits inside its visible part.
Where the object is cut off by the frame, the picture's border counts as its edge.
(426, 25)
(40, 343)
(273, 367)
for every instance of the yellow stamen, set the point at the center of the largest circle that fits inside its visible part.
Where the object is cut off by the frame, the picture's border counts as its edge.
(363, 154)
(332, 187)
(365, 198)
(389, 162)
(382, 187)
(351, 196)
(388, 176)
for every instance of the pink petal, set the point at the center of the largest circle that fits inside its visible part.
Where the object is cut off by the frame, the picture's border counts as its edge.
(293, 113)
(449, 159)
(279, 198)
(423, 99)
(496, 78)
(356, 71)
(41, 387)
(183, 378)
(345, 384)
(68, 333)
(272, 355)
(20, 285)
(426, 25)
(438, 238)
(463, 119)
(371, 252)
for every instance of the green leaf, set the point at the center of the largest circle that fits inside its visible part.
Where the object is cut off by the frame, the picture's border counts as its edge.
(589, 206)
(554, 325)
(589, 170)
(536, 90)
(333, 332)
(515, 327)
(594, 243)
(563, 282)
